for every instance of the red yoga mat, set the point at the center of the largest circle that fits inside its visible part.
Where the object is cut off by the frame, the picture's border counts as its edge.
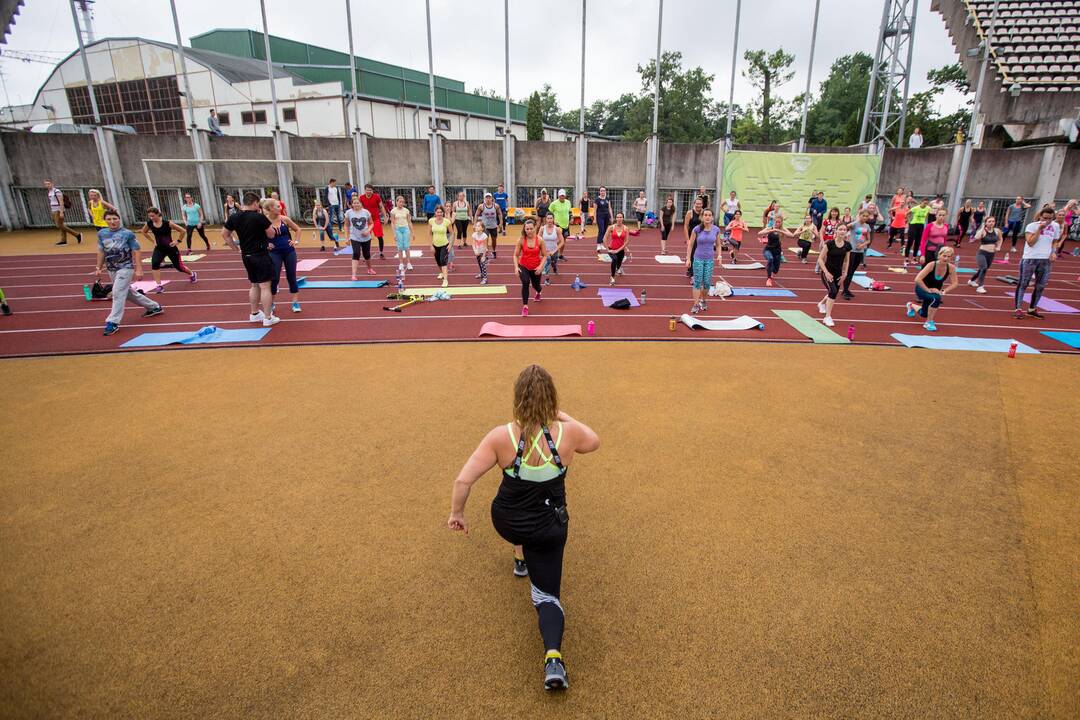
(528, 331)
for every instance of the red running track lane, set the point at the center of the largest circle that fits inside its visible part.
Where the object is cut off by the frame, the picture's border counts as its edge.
(51, 316)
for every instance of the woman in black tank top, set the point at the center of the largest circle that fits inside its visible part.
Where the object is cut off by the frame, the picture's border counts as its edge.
(931, 284)
(667, 221)
(833, 263)
(160, 230)
(690, 221)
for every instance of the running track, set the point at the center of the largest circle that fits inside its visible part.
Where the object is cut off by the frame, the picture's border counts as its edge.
(51, 316)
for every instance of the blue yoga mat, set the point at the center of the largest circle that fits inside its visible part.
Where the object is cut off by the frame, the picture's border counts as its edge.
(763, 292)
(306, 284)
(965, 271)
(1072, 339)
(863, 281)
(941, 342)
(871, 252)
(207, 335)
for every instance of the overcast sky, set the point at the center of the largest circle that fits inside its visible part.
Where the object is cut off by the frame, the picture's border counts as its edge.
(545, 37)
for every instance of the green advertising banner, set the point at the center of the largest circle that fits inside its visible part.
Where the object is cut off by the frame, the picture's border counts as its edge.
(758, 178)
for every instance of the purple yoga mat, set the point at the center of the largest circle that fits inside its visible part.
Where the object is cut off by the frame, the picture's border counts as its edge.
(1049, 305)
(609, 295)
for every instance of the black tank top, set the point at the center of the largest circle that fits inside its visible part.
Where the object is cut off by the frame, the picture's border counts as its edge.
(695, 220)
(932, 281)
(834, 257)
(525, 508)
(163, 234)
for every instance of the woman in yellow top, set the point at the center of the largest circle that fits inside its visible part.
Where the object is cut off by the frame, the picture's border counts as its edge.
(97, 208)
(440, 241)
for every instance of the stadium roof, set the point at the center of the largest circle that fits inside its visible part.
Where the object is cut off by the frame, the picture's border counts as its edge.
(1035, 43)
(8, 10)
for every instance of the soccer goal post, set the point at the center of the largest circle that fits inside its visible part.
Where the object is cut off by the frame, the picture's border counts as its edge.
(297, 203)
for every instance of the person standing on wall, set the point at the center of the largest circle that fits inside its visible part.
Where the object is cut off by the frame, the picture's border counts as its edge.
(255, 232)
(333, 203)
(501, 199)
(118, 253)
(57, 204)
(373, 203)
(916, 140)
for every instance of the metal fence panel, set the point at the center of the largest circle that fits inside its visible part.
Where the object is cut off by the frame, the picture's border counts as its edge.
(35, 206)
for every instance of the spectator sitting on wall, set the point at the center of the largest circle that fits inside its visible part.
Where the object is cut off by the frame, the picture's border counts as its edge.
(915, 141)
(214, 124)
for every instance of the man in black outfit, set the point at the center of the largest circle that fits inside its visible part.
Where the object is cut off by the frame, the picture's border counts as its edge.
(254, 231)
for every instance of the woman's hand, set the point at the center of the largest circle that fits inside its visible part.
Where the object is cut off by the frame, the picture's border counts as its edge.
(456, 522)
(829, 276)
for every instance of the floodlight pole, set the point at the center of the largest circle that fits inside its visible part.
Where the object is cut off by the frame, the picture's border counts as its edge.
(280, 141)
(581, 113)
(85, 64)
(352, 69)
(509, 182)
(725, 144)
(433, 131)
(809, 77)
(651, 184)
(205, 185)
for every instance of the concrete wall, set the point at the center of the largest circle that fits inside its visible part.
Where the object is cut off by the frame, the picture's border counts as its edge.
(1004, 173)
(68, 160)
(622, 165)
(133, 148)
(540, 162)
(1069, 184)
(244, 174)
(687, 166)
(306, 148)
(926, 172)
(473, 162)
(399, 162)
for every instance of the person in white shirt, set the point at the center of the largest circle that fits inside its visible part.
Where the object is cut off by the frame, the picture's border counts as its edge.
(915, 141)
(56, 208)
(333, 202)
(1039, 238)
(641, 206)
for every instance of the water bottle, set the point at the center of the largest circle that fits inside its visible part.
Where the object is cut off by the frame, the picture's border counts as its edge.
(642, 297)
(86, 292)
(1012, 349)
(400, 283)
(850, 332)
(577, 282)
(591, 328)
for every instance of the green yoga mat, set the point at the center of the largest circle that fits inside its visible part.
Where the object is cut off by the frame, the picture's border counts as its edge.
(461, 290)
(810, 327)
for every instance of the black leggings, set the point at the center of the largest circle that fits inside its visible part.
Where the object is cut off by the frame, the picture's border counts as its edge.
(804, 249)
(528, 277)
(893, 232)
(191, 230)
(170, 253)
(288, 259)
(462, 227)
(854, 261)
(616, 261)
(833, 288)
(380, 238)
(914, 237)
(602, 223)
(665, 230)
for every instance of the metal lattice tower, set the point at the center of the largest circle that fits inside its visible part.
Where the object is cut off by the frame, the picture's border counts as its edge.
(890, 76)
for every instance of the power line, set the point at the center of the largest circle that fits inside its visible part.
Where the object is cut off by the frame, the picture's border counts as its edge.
(25, 56)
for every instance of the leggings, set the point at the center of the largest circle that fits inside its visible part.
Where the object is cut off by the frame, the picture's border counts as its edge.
(551, 264)
(1039, 269)
(804, 249)
(192, 228)
(380, 239)
(288, 259)
(528, 277)
(1014, 228)
(772, 262)
(482, 263)
(854, 261)
(929, 300)
(984, 259)
(328, 231)
(602, 222)
(462, 228)
(833, 288)
(167, 252)
(893, 232)
(665, 230)
(616, 261)
(914, 236)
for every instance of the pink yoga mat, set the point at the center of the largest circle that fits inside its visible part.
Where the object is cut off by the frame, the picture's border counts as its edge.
(147, 285)
(304, 265)
(1049, 305)
(528, 331)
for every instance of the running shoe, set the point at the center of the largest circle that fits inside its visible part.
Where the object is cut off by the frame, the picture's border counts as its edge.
(555, 674)
(1019, 315)
(272, 320)
(520, 568)
(322, 248)
(848, 295)
(821, 308)
(704, 306)
(400, 267)
(354, 278)
(804, 261)
(910, 310)
(537, 298)
(408, 266)
(494, 254)
(110, 328)
(381, 256)
(611, 282)
(194, 276)
(151, 312)
(64, 242)
(972, 283)
(524, 311)
(1034, 312)
(621, 271)
(476, 276)
(159, 289)
(768, 282)
(980, 289)
(296, 307)
(930, 326)
(483, 281)
(828, 321)
(257, 317)
(78, 238)
(371, 271)
(547, 281)
(694, 310)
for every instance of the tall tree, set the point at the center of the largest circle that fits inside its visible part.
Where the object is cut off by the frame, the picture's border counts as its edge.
(923, 113)
(687, 112)
(534, 119)
(767, 72)
(835, 114)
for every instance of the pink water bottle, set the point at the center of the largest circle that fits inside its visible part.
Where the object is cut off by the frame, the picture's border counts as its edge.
(591, 328)
(850, 332)
(1012, 349)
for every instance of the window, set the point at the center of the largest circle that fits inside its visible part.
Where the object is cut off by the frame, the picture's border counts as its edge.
(289, 114)
(443, 124)
(500, 131)
(253, 117)
(151, 106)
(223, 118)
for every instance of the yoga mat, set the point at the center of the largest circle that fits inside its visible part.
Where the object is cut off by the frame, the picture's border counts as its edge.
(669, 259)
(1072, 339)
(810, 327)
(1049, 305)
(799, 250)
(306, 284)
(305, 265)
(744, 322)
(871, 252)
(901, 270)
(528, 331)
(745, 266)
(965, 271)
(207, 335)
(1002, 262)
(603, 257)
(1009, 280)
(147, 285)
(762, 292)
(863, 281)
(183, 258)
(460, 290)
(941, 342)
(609, 295)
(347, 250)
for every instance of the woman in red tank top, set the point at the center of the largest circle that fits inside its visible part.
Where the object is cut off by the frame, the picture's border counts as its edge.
(529, 255)
(616, 243)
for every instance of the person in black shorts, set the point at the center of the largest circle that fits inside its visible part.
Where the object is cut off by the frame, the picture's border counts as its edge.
(667, 222)
(160, 230)
(255, 232)
(529, 510)
(833, 262)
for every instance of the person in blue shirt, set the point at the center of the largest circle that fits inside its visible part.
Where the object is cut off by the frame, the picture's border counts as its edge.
(118, 253)
(348, 191)
(501, 199)
(214, 124)
(194, 220)
(431, 201)
(817, 207)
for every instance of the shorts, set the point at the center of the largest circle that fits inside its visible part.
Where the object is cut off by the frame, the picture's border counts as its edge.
(359, 248)
(442, 254)
(640, 216)
(165, 252)
(565, 232)
(260, 268)
(401, 238)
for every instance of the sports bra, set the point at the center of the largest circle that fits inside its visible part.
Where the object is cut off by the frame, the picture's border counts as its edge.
(550, 469)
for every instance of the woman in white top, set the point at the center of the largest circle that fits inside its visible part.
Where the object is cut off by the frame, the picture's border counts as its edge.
(480, 247)
(731, 206)
(553, 243)
(401, 219)
(641, 206)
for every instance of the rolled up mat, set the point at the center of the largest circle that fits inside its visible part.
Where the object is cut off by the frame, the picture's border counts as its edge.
(799, 250)
(207, 335)
(460, 290)
(742, 266)
(496, 329)
(635, 233)
(965, 271)
(306, 284)
(871, 252)
(945, 342)
(1009, 280)
(347, 250)
(1072, 339)
(744, 322)
(901, 270)
(183, 258)
(762, 292)
(603, 257)
(810, 327)
(305, 265)
(669, 259)
(1049, 305)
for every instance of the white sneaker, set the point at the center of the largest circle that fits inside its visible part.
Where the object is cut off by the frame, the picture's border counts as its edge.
(981, 290)
(409, 266)
(400, 267)
(257, 317)
(821, 308)
(272, 320)
(828, 321)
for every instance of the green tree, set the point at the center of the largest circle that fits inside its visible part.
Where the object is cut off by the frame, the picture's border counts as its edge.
(923, 112)
(835, 114)
(767, 72)
(534, 119)
(687, 113)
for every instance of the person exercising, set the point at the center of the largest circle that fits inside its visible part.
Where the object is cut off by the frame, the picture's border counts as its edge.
(534, 452)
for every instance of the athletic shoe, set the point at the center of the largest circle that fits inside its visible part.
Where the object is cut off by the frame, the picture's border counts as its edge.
(910, 310)
(494, 254)
(537, 298)
(483, 281)
(354, 278)
(611, 282)
(555, 674)
(272, 320)
(296, 307)
(194, 276)
(524, 311)
(972, 283)
(980, 289)
(158, 290)
(110, 328)
(400, 267)
(371, 271)
(78, 238)
(64, 242)
(381, 256)
(445, 282)
(848, 295)
(768, 282)
(151, 312)
(257, 317)
(804, 261)
(821, 308)
(547, 281)
(1033, 312)
(322, 248)
(621, 271)
(828, 321)
(408, 266)
(930, 326)
(704, 306)
(1019, 315)
(520, 569)
(694, 309)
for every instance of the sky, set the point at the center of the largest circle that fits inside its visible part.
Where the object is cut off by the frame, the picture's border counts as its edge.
(545, 38)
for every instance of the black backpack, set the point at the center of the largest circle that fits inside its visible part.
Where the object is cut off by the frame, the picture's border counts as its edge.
(99, 291)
